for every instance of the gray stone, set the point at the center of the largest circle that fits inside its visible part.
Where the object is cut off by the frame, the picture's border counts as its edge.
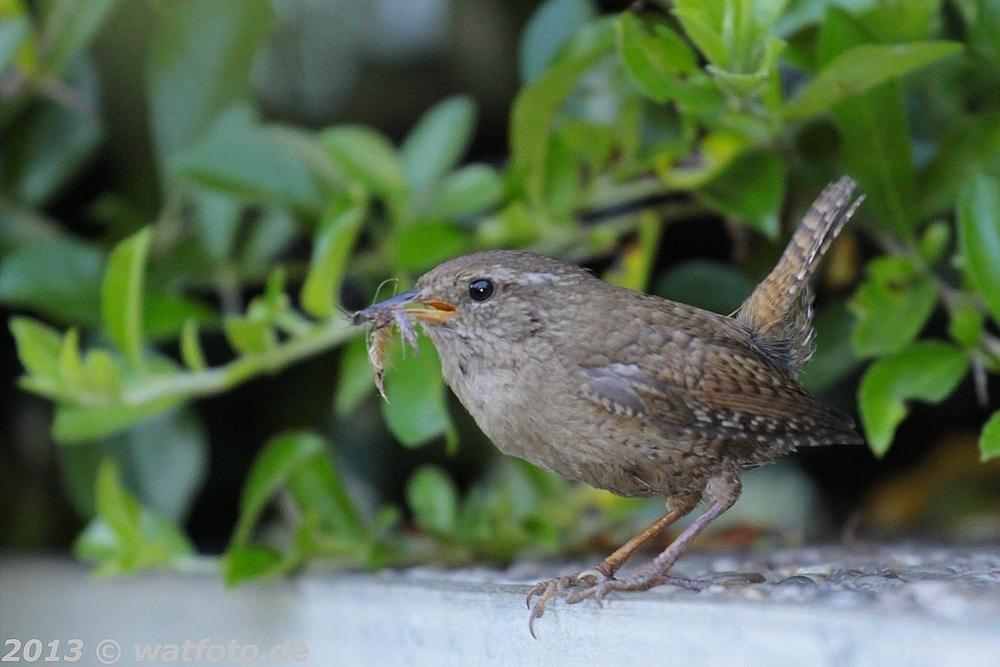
(842, 606)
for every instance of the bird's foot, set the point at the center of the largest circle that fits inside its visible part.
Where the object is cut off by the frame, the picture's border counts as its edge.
(561, 587)
(594, 583)
(641, 581)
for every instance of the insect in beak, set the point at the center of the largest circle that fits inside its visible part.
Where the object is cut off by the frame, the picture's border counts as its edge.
(430, 310)
(395, 311)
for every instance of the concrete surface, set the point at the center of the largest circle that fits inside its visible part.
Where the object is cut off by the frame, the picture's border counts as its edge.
(834, 606)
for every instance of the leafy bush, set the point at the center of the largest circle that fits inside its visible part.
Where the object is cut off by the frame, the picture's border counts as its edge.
(731, 108)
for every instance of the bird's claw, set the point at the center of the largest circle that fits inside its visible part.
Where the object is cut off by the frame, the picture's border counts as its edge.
(596, 584)
(561, 587)
(557, 587)
(598, 589)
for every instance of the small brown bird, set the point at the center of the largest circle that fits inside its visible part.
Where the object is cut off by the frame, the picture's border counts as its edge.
(626, 391)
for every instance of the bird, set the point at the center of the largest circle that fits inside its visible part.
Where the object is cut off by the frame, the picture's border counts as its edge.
(627, 391)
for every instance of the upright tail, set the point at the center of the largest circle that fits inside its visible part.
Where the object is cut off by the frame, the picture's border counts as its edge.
(778, 315)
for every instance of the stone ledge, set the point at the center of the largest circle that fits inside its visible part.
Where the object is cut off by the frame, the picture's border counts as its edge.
(837, 606)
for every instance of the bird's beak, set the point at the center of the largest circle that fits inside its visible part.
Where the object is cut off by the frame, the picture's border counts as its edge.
(427, 310)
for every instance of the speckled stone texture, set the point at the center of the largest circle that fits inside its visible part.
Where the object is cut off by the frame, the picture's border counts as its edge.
(844, 606)
(946, 582)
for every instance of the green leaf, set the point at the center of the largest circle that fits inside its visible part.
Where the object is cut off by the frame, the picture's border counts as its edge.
(876, 148)
(665, 51)
(513, 227)
(966, 325)
(863, 67)
(249, 335)
(77, 423)
(978, 214)
(125, 537)
(735, 38)
(660, 64)
(935, 240)
(548, 29)
(563, 179)
(69, 27)
(973, 147)
(162, 459)
(49, 146)
(901, 20)
(763, 82)
(121, 294)
(802, 14)
(191, 352)
(270, 236)
(716, 151)
(926, 370)
(354, 381)
(330, 254)
(317, 487)
(592, 144)
(12, 33)
(274, 301)
(437, 142)
(989, 441)
(892, 306)
(766, 13)
(465, 192)
(416, 411)
(70, 362)
(432, 496)
(751, 189)
(101, 372)
(257, 163)
(636, 262)
(217, 217)
(282, 458)
(169, 460)
(537, 104)
(164, 315)
(424, 245)
(114, 503)
(199, 62)
(702, 22)
(244, 562)
(983, 25)
(38, 348)
(366, 156)
(279, 458)
(71, 294)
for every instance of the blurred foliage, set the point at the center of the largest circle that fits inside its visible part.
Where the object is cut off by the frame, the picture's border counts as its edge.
(951, 494)
(741, 110)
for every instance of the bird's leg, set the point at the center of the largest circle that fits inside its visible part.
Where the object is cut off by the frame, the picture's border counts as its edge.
(677, 507)
(654, 574)
(723, 491)
(613, 563)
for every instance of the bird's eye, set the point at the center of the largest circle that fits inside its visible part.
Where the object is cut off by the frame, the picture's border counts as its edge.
(481, 289)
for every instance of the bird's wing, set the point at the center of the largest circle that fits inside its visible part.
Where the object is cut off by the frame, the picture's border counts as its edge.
(628, 390)
(756, 403)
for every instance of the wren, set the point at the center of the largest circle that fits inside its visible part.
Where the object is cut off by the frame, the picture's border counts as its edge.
(627, 391)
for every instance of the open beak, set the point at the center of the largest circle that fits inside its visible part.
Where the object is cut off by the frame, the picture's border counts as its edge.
(410, 302)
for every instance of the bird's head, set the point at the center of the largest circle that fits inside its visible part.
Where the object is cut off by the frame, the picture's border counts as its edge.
(488, 297)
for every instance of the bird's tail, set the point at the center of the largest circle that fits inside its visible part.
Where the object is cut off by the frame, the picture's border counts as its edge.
(778, 315)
